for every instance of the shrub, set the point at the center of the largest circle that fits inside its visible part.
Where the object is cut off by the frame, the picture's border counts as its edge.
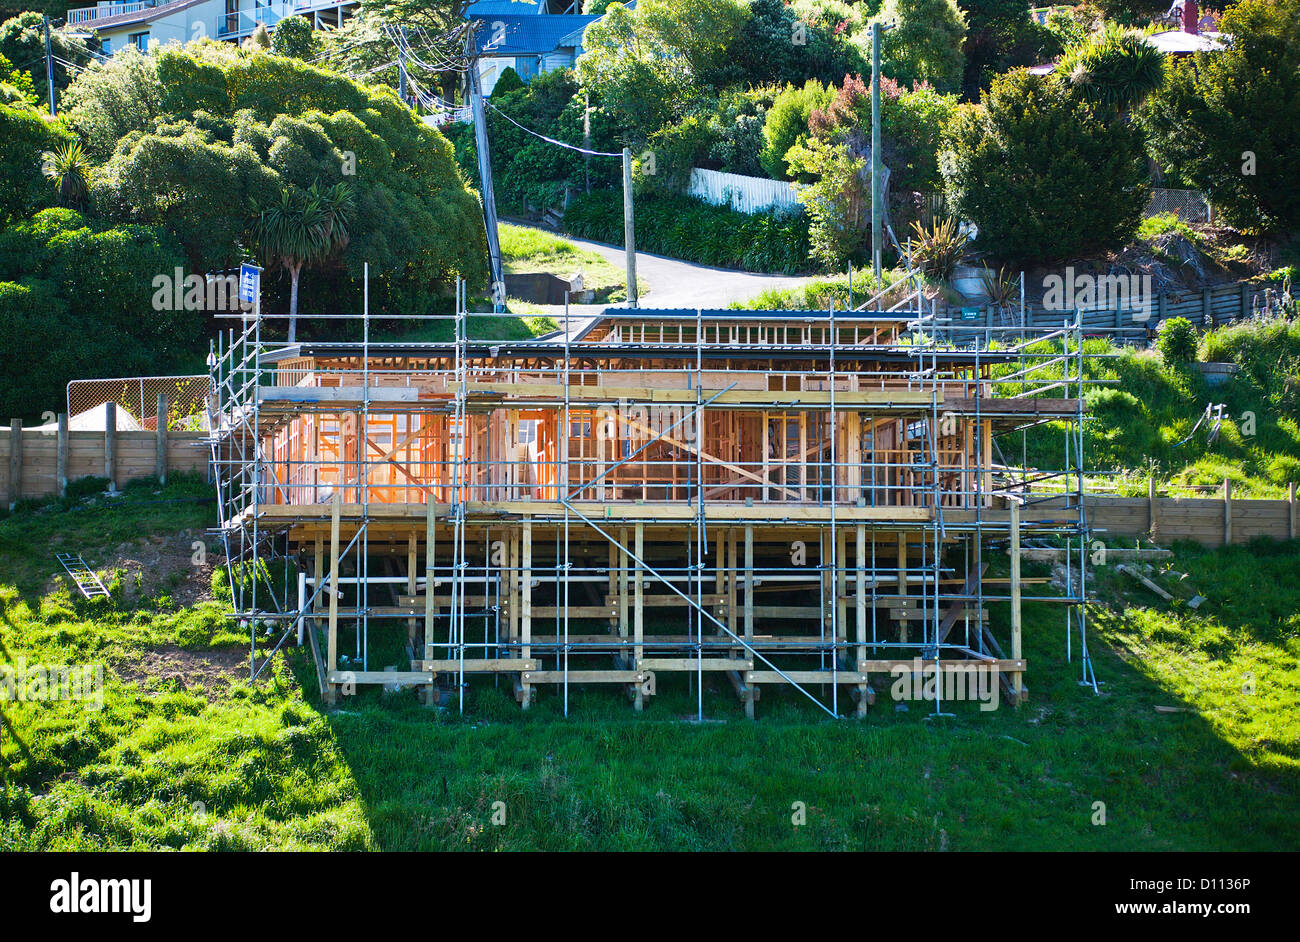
(686, 228)
(294, 37)
(1177, 342)
(1228, 122)
(787, 125)
(937, 250)
(1116, 67)
(1042, 174)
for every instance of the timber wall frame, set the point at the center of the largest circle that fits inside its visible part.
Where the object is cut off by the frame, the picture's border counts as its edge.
(808, 499)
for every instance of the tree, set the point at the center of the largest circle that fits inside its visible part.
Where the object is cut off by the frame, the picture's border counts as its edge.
(1228, 122)
(1042, 173)
(787, 125)
(302, 228)
(16, 87)
(22, 42)
(911, 128)
(294, 37)
(647, 66)
(1116, 67)
(24, 134)
(67, 168)
(211, 132)
(778, 43)
(837, 204)
(1001, 35)
(924, 44)
(70, 289)
(110, 99)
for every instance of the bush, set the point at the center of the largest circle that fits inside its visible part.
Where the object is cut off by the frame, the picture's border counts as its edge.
(1177, 342)
(294, 37)
(686, 228)
(24, 135)
(1042, 174)
(924, 45)
(937, 250)
(787, 125)
(1228, 122)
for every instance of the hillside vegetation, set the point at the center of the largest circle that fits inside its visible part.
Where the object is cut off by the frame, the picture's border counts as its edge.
(1142, 412)
(187, 753)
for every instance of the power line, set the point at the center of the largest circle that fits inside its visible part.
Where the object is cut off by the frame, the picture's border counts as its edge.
(550, 140)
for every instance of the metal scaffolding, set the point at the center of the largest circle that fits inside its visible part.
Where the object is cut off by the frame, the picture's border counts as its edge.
(812, 496)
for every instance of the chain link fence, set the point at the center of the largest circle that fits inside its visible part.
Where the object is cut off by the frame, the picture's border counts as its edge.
(137, 401)
(1188, 205)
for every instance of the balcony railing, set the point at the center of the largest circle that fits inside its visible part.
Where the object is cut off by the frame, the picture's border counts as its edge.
(104, 11)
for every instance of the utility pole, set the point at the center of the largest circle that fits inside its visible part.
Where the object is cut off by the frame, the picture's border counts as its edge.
(489, 193)
(49, 65)
(629, 228)
(876, 170)
(401, 67)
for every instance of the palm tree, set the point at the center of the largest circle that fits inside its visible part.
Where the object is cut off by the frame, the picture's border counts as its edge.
(1116, 67)
(304, 227)
(67, 167)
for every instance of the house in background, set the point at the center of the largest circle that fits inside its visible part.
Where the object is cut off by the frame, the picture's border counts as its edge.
(529, 36)
(1195, 33)
(143, 22)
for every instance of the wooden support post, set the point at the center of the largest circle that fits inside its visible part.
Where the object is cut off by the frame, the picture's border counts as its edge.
(318, 573)
(526, 605)
(1152, 507)
(412, 560)
(622, 584)
(430, 605)
(1016, 649)
(332, 657)
(860, 577)
(732, 590)
(902, 578)
(15, 462)
(160, 439)
(61, 458)
(1227, 511)
(1290, 517)
(842, 592)
(749, 610)
(110, 445)
(638, 614)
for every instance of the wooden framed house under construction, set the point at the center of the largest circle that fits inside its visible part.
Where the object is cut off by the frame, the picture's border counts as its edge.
(803, 499)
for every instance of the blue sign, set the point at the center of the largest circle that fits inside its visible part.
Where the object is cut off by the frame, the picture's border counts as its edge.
(250, 283)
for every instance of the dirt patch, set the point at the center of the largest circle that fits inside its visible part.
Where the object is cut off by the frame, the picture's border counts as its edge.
(170, 667)
(162, 564)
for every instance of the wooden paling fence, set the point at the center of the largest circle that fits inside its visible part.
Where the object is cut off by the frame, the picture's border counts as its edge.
(1210, 521)
(39, 462)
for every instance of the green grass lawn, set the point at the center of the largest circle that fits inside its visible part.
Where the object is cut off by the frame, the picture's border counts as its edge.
(524, 249)
(1142, 414)
(189, 754)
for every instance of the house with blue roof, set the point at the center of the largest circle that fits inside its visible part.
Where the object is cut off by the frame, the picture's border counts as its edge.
(529, 36)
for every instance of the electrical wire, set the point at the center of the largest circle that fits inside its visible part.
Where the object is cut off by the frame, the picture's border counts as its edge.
(550, 140)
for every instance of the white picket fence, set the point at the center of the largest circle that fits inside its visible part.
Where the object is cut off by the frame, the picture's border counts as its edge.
(743, 194)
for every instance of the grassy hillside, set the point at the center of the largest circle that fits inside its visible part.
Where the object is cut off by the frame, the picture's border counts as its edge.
(187, 753)
(1140, 419)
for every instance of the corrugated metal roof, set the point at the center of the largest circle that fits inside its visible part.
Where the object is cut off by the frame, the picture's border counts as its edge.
(525, 35)
(504, 8)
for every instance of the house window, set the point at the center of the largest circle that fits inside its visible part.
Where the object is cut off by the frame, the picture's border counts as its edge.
(140, 41)
(106, 47)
